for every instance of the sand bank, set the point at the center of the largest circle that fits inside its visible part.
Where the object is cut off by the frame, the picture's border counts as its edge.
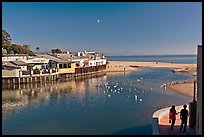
(183, 88)
(118, 66)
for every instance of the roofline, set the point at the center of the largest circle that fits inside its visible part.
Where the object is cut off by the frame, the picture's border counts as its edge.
(10, 66)
(15, 55)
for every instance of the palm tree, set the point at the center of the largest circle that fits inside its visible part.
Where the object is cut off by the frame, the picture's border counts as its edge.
(37, 49)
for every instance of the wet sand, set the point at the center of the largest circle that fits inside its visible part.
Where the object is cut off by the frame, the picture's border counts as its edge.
(183, 88)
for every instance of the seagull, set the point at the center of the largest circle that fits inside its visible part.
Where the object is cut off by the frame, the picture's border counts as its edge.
(135, 97)
(98, 21)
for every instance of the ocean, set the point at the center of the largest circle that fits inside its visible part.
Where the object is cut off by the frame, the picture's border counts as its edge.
(188, 59)
(110, 104)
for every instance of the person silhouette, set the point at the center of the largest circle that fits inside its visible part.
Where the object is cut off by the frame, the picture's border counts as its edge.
(172, 116)
(184, 118)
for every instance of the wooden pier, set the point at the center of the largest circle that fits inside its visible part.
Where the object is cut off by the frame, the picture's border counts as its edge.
(79, 72)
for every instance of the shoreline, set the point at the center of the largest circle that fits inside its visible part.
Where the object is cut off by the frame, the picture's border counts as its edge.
(118, 67)
(185, 88)
(121, 66)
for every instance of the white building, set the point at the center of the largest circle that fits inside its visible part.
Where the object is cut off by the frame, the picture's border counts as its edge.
(38, 62)
(97, 62)
(14, 57)
(80, 54)
(23, 65)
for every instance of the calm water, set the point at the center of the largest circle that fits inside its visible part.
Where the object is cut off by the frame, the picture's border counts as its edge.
(160, 58)
(109, 104)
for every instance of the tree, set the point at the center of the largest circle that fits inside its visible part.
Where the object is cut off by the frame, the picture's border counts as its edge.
(8, 48)
(18, 49)
(26, 46)
(37, 49)
(53, 51)
(6, 39)
(11, 52)
(14, 48)
(56, 51)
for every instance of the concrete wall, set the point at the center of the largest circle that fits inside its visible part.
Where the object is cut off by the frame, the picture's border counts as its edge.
(161, 113)
(199, 91)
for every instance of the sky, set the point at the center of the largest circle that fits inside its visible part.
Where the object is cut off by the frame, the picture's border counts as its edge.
(111, 28)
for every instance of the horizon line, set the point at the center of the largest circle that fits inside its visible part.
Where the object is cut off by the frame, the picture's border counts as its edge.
(152, 55)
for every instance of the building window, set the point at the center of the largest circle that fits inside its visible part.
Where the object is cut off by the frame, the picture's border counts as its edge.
(90, 63)
(69, 65)
(60, 65)
(65, 65)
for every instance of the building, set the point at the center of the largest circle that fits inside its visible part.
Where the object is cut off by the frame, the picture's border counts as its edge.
(23, 65)
(4, 51)
(14, 57)
(80, 61)
(63, 66)
(199, 92)
(9, 70)
(38, 62)
(97, 62)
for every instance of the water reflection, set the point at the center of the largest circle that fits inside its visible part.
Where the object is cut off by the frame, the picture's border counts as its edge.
(83, 106)
(17, 97)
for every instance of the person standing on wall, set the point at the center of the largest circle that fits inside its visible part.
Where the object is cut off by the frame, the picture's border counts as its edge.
(172, 116)
(184, 118)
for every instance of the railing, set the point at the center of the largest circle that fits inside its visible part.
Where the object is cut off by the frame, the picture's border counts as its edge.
(89, 69)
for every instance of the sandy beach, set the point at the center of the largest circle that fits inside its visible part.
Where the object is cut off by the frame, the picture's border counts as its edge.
(118, 66)
(182, 88)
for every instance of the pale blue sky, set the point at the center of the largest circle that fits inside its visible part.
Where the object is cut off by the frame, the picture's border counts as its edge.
(125, 28)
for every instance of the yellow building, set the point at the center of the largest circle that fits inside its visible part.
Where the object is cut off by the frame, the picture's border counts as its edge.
(66, 68)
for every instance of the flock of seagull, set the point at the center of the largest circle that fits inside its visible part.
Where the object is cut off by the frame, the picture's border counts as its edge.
(172, 83)
(118, 87)
(110, 88)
